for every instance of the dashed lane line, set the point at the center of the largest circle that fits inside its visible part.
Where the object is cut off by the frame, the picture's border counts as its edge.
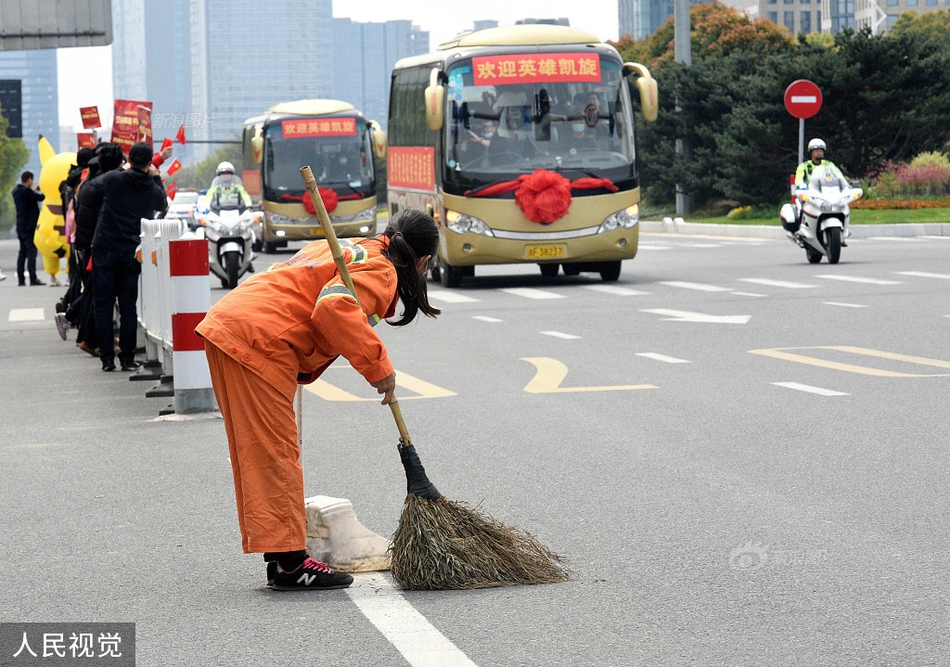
(809, 389)
(417, 640)
(700, 287)
(616, 290)
(532, 293)
(843, 305)
(486, 318)
(777, 283)
(858, 279)
(27, 315)
(661, 357)
(924, 274)
(451, 297)
(560, 334)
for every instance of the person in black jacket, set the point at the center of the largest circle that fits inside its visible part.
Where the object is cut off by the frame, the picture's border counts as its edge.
(108, 157)
(26, 198)
(128, 196)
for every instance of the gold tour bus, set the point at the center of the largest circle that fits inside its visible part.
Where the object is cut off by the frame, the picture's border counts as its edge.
(340, 146)
(519, 141)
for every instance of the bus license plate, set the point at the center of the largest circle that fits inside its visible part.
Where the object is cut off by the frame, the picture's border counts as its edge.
(545, 251)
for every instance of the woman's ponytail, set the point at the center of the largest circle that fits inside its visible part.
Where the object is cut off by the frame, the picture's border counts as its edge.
(412, 234)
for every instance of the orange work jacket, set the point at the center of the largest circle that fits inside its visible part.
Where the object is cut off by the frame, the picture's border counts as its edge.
(289, 323)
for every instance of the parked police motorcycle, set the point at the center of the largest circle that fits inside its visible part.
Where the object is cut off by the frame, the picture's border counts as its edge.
(231, 238)
(818, 219)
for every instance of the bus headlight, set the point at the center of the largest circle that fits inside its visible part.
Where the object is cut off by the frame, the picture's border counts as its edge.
(626, 218)
(461, 223)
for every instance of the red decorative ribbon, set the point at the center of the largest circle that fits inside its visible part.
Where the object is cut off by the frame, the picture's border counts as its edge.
(330, 199)
(543, 196)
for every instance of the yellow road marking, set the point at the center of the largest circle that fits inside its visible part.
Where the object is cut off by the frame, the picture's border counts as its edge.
(329, 392)
(781, 353)
(552, 372)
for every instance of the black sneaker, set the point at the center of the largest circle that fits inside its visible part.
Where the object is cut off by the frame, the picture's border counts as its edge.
(131, 365)
(108, 365)
(311, 575)
(62, 325)
(271, 572)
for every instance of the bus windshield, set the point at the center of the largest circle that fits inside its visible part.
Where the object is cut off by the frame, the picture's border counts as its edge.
(341, 158)
(498, 128)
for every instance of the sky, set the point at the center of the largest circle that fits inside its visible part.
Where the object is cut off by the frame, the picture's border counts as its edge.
(443, 20)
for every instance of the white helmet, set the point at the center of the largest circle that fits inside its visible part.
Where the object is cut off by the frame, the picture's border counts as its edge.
(812, 145)
(227, 166)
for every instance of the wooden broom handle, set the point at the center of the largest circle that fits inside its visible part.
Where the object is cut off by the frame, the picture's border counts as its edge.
(311, 184)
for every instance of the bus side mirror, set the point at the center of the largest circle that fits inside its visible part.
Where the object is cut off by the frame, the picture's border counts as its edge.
(646, 84)
(435, 101)
(379, 140)
(257, 147)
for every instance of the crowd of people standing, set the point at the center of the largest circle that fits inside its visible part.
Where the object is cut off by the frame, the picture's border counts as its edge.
(105, 196)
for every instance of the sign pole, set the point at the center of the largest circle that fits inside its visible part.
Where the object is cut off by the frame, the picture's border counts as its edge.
(801, 140)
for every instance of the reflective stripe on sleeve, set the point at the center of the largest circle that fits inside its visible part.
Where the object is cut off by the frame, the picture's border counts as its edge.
(334, 290)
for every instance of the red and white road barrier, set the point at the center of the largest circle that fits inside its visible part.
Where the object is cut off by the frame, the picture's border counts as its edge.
(190, 300)
(175, 294)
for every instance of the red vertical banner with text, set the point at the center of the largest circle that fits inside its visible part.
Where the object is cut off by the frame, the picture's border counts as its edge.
(412, 167)
(90, 117)
(131, 122)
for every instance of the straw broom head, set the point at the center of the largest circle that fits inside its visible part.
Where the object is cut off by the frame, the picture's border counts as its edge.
(445, 545)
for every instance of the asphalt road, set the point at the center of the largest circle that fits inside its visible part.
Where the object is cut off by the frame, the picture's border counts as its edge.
(741, 454)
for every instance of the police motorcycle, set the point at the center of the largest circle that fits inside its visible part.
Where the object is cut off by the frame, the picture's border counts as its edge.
(818, 219)
(229, 225)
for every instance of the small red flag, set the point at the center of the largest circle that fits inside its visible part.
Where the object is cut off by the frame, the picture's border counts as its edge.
(166, 143)
(174, 166)
(181, 135)
(172, 190)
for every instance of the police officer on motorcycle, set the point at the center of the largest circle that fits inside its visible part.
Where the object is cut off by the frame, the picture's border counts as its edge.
(226, 191)
(816, 154)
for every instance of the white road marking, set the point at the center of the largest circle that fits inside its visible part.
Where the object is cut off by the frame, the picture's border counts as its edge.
(559, 334)
(486, 318)
(809, 389)
(615, 289)
(843, 305)
(451, 297)
(409, 631)
(749, 294)
(661, 357)
(924, 274)
(694, 286)
(27, 315)
(685, 316)
(702, 245)
(857, 279)
(898, 239)
(776, 283)
(532, 293)
(935, 238)
(647, 246)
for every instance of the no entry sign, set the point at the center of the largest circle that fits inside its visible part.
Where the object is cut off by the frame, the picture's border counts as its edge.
(802, 99)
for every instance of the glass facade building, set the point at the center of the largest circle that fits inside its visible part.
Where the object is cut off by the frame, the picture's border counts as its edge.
(36, 69)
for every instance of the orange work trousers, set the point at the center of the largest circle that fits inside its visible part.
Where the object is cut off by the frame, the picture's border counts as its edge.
(265, 457)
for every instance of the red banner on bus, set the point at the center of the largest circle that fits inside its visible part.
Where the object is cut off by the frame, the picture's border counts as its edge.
(313, 127)
(412, 167)
(535, 68)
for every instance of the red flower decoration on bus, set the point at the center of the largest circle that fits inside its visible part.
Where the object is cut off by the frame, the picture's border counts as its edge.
(544, 196)
(329, 197)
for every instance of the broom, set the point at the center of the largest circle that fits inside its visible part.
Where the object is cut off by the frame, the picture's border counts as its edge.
(441, 544)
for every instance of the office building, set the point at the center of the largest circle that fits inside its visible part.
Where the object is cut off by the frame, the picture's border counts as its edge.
(641, 18)
(364, 55)
(36, 69)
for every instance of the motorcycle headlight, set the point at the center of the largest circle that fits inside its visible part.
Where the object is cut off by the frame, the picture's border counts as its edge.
(824, 206)
(460, 223)
(626, 218)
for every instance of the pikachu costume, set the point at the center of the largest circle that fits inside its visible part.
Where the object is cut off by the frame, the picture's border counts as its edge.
(50, 237)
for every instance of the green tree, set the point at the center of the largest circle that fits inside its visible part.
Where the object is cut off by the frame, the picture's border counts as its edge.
(201, 174)
(13, 155)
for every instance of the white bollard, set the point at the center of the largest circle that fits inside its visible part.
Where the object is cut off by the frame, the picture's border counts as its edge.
(336, 537)
(190, 300)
